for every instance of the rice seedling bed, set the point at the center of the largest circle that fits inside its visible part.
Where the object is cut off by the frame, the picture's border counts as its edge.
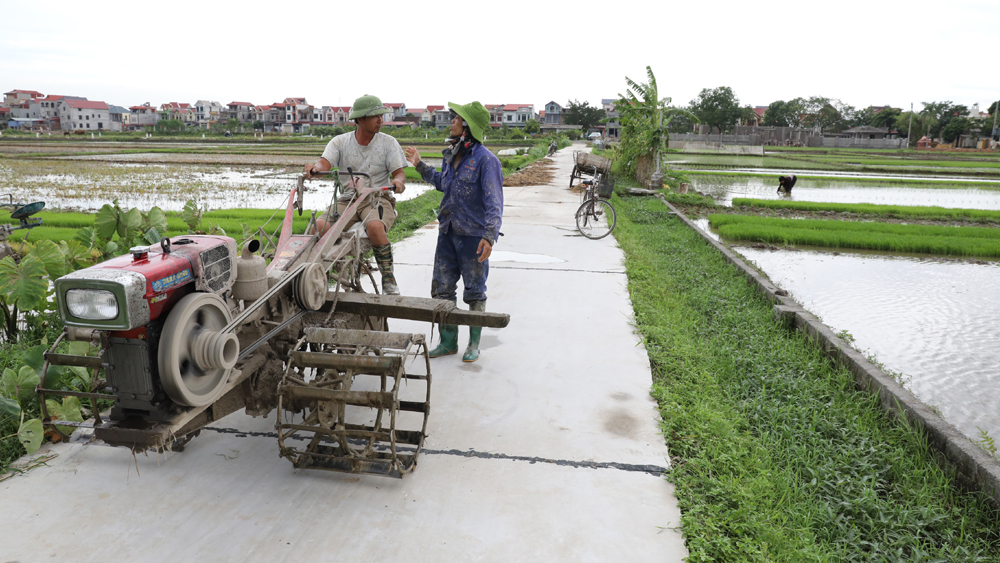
(900, 211)
(982, 242)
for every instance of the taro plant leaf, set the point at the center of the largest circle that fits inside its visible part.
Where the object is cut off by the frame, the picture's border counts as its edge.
(30, 435)
(132, 221)
(216, 230)
(152, 236)
(87, 236)
(51, 256)
(156, 219)
(9, 407)
(110, 249)
(109, 221)
(191, 214)
(68, 410)
(20, 384)
(75, 254)
(34, 358)
(23, 284)
(77, 348)
(80, 379)
(56, 377)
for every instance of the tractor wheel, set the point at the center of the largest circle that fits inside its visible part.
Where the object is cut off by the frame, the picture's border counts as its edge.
(195, 357)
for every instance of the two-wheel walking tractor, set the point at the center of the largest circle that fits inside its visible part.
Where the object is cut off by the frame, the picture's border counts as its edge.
(194, 329)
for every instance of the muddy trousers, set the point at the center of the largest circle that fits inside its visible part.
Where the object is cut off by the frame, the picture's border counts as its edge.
(456, 258)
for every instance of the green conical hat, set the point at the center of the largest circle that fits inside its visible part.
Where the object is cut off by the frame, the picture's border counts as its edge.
(475, 115)
(367, 105)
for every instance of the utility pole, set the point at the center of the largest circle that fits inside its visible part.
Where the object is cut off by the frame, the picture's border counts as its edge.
(909, 127)
(996, 110)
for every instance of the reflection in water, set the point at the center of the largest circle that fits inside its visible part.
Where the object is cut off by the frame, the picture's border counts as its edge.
(723, 189)
(928, 319)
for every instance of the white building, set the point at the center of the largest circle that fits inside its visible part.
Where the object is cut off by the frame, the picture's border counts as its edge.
(517, 115)
(143, 116)
(208, 113)
(84, 115)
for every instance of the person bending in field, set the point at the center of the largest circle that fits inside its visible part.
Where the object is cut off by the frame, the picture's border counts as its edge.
(786, 183)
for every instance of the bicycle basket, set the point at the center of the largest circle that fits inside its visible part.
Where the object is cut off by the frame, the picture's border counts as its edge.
(606, 188)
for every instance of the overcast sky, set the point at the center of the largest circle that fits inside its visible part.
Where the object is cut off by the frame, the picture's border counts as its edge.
(871, 52)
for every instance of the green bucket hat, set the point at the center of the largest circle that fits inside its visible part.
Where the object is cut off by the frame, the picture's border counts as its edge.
(367, 105)
(475, 115)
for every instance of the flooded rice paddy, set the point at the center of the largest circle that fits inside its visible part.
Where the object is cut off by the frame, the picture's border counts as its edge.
(931, 319)
(963, 195)
(87, 186)
(934, 321)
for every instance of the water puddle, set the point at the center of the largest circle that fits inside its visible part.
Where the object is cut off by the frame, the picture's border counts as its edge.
(723, 189)
(507, 256)
(924, 317)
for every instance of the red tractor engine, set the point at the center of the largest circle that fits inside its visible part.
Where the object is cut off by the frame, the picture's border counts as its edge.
(126, 302)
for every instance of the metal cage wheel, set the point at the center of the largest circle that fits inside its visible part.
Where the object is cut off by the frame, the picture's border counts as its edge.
(596, 218)
(195, 357)
(574, 175)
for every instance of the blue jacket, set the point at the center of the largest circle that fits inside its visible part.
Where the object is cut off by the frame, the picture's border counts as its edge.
(473, 194)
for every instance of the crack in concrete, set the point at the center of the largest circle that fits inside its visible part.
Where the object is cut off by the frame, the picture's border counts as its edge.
(651, 469)
(493, 267)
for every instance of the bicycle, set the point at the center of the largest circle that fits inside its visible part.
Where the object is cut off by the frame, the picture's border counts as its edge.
(596, 217)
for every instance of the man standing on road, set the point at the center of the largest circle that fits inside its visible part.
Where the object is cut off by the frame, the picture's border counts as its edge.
(367, 150)
(470, 215)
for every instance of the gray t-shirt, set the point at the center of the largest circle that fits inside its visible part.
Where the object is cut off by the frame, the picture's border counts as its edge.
(379, 159)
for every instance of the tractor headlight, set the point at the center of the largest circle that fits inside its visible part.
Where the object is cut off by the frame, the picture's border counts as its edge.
(92, 304)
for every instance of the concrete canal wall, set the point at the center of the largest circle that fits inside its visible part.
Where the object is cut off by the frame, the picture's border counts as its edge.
(975, 468)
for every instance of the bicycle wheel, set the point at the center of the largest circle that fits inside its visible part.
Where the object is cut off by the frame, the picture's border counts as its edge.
(596, 218)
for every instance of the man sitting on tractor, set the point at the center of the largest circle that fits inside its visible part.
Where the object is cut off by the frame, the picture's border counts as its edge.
(371, 152)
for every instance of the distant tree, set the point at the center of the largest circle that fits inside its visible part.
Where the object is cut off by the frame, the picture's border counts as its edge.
(863, 117)
(748, 115)
(258, 125)
(681, 123)
(780, 114)
(954, 127)
(904, 125)
(582, 114)
(993, 108)
(938, 114)
(886, 118)
(532, 126)
(718, 108)
(170, 125)
(824, 113)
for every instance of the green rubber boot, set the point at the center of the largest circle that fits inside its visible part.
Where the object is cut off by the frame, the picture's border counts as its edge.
(475, 332)
(449, 341)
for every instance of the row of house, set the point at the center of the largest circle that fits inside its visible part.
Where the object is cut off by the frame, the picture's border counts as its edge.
(28, 109)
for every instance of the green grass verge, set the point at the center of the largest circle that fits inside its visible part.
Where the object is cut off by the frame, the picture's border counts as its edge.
(983, 242)
(897, 211)
(776, 455)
